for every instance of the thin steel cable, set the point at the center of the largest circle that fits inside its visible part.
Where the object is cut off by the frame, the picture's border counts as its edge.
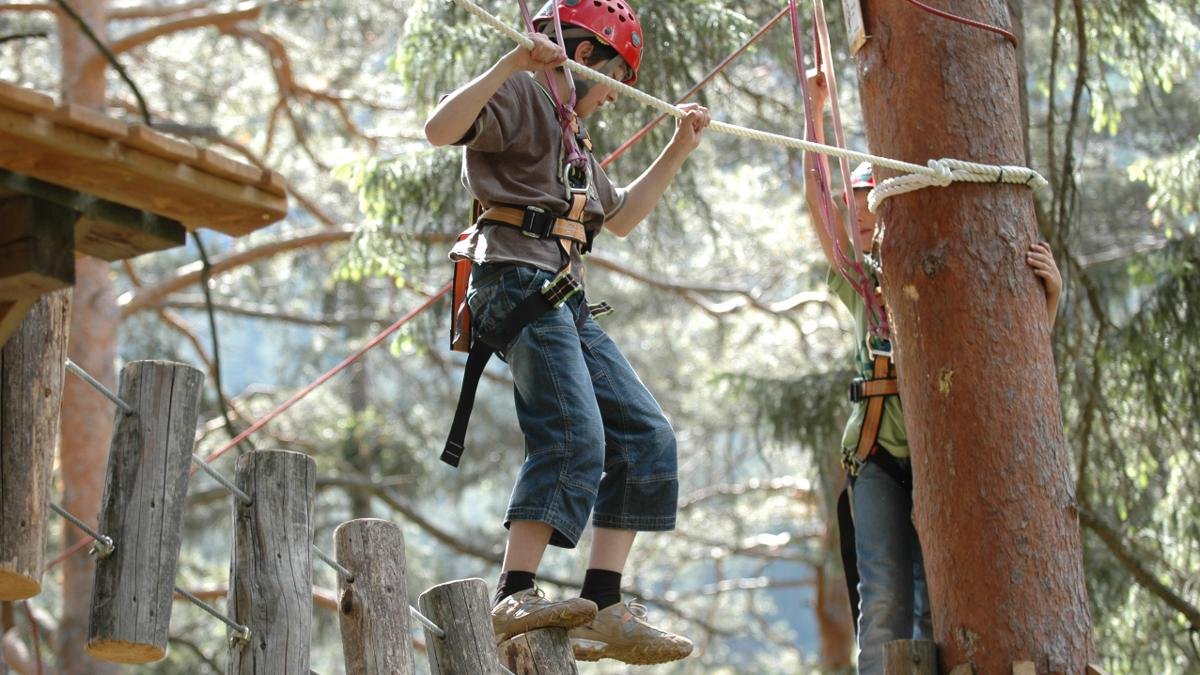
(217, 476)
(337, 567)
(427, 622)
(243, 632)
(99, 386)
(104, 543)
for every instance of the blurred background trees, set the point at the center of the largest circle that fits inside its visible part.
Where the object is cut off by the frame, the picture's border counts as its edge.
(721, 304)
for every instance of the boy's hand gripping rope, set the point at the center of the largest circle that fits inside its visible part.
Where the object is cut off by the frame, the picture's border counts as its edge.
(938, 172)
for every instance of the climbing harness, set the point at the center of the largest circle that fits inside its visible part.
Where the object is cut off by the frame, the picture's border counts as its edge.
(936, 172)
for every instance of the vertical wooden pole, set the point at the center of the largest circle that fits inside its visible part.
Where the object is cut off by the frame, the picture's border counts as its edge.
(910, 657)
(142, 511)
(31, 382)
(270, 576)
(539, 652)
(373, 609)
(461, 609)
(993, 500)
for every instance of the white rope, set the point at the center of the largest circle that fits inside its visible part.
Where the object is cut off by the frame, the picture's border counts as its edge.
(940, 172)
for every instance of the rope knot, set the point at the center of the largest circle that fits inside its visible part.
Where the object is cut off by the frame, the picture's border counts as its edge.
(943, 174)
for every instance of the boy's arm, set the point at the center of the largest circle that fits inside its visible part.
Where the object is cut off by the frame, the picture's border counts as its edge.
(454, 115)
(1041, 259)
(816, 215)
(643, 193)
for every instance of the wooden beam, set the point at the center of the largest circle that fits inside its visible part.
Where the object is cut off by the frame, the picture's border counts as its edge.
(109, 231)
(144, 498)
(462, 610)
(910, 657)
(271, 570)
(373, 608)
(540, 652)
(31, 380)
(37, 248)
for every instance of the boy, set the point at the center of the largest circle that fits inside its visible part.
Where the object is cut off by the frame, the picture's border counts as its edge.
(893, 601)
(596, 441)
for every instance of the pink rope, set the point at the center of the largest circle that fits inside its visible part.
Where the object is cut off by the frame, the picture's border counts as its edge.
(851, 269)
(566, 111)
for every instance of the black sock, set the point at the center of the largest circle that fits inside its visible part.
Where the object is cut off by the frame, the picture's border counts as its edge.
(511, 582)
(602, 587)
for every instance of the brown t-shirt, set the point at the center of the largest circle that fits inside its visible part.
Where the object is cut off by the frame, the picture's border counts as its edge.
(513, 157)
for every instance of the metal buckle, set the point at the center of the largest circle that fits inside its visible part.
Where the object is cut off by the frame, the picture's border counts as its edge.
(884, 348)
(537, 223)
(856, 389)
(577, 180)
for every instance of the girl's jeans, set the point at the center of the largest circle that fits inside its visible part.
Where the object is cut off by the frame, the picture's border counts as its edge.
(894, 604)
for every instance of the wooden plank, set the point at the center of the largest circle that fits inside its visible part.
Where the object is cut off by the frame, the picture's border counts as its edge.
(963, 669)
(37, 249)
(24, 100)
(1024, 668)
(91, 121)
(31, 380)
(910, 657)
(373, 609)
(461, 609)
(275, 183)
(539, 652)
(145, 495)
(126, 175)
(219, 165)
(270, 587)
(110, 231)
(1093, 669)
(157, 143)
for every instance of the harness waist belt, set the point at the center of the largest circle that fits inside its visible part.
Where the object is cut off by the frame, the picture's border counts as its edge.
(538, 223)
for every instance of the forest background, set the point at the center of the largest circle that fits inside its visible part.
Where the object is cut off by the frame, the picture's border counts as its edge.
(721, 306)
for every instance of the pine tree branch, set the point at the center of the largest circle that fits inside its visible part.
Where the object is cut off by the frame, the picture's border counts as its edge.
(219, 19)
(1132, 563)
(131, 12)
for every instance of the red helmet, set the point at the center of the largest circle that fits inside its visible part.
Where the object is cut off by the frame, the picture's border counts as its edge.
(612, 21)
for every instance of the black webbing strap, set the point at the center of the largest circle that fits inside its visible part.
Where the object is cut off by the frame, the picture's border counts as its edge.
(845, 517)
(526, 312)
(845, 521)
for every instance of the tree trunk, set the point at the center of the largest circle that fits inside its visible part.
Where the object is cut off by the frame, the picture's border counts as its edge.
(86, 415)
(993, 496)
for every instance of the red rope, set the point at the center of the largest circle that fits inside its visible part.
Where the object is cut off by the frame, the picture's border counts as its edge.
(312, 386)
(262, 421)
(37, 641)
(641, 133)
(965, 21)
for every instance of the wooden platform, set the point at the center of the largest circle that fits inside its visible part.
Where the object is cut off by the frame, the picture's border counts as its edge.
(73, 181)
(133, 165)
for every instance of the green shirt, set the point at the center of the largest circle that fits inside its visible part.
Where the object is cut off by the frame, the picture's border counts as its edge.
(892, 435)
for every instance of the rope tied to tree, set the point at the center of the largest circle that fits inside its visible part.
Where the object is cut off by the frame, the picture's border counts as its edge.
(915, 176)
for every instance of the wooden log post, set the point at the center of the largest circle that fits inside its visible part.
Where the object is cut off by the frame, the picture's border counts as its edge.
(993, 498)
(540, 652)
(463, 611)
(373, 608)
(31, 382)
(270, 584)
(910, 657)
(142, 511)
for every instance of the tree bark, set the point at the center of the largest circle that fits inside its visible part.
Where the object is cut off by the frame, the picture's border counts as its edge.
(86, 415)
(993, 497)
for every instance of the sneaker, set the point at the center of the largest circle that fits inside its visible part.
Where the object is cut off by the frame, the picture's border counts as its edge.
(530, 609)
(619, 632)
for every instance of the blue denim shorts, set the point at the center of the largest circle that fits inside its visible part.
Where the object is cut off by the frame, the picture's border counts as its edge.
(596, 441)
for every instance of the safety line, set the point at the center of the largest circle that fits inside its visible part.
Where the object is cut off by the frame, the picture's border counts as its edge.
(98, 386)
(965, 21)
(104, 543)
(936, 172)
(242, 631)
(621, 149)
(308, 389)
